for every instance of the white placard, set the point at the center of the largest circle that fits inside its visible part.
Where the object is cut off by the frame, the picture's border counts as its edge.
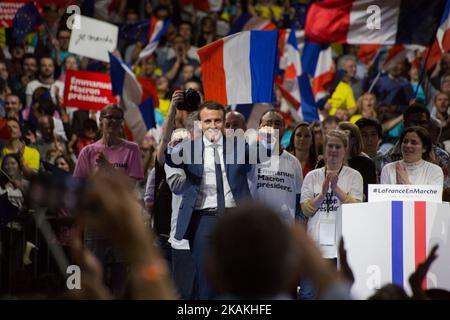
(404, 192)
(94, 39)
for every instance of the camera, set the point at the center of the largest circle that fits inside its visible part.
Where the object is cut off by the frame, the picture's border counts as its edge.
(191, 100)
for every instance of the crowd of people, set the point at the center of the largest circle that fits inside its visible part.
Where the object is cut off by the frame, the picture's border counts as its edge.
(143, 225)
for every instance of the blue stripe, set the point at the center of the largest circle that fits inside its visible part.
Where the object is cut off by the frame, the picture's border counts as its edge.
(245, 109)
(263, 52)
(240, 23)
(308, 103)
(418, 21)
(446, 12)
(148, 113)
(310, 55)
(117, 75)
(397, 243)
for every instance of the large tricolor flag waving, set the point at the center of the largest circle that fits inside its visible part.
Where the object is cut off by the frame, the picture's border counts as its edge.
(374, 21)
(139, 110)
(240, 68)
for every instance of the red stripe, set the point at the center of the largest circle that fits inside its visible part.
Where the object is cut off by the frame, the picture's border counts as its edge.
(281, 43)
(322, 82)
(366, 52)
(269, 26)
(420, 233)
(435, 56)
(151, 28)
(213, 73)
(328, 21)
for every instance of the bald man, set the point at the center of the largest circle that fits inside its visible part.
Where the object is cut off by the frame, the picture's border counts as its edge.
(235, 120)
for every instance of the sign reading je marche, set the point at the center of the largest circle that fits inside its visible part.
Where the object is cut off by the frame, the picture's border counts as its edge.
(87, 90)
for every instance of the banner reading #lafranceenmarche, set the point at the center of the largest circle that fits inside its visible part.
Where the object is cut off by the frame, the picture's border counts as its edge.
(405, 192)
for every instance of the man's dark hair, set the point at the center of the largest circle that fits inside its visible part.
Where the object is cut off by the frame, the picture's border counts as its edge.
(90, 124)
(211, 105)
(416, 108)
(28, 56)
(185, 22)
(110, 108)
(15, 120)
(251, 253)
(197, 81)
(364, 123)
(46, 106)
(45, 56)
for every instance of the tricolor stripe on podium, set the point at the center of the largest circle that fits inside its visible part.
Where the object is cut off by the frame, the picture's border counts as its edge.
(408, 228)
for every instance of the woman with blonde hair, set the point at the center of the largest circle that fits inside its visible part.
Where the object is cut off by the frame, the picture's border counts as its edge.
(365, 107)
(326, 188)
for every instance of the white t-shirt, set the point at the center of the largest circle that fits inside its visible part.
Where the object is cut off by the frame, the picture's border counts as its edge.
(322, 225)
(277, 184)
(421, 172)
(33, 85)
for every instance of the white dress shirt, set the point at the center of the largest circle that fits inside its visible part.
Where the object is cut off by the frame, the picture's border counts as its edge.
(207, 196)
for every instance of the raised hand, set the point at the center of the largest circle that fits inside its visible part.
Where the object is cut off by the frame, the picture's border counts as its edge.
(401, 174)
(417, 278)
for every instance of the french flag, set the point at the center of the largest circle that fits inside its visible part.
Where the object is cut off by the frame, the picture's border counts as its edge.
(240, 69)
(443, 33)
(156, 30)
(318, 74)
(246, 22)
(374, 22)
(139, 109)
(442, 42)
(290, 63)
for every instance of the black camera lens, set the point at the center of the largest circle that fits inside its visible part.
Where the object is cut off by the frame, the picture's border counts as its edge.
(191, 100)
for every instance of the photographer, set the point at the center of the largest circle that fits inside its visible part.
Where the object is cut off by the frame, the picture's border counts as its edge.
(157, 194)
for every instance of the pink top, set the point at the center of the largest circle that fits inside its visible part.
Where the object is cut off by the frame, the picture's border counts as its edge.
(125, 156)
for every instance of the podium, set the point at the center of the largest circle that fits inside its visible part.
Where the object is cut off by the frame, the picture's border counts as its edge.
(385, 241)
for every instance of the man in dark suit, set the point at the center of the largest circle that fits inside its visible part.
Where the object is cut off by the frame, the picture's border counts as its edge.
(211, 178)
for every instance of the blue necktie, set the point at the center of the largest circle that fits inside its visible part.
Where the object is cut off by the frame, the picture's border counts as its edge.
(219, 182)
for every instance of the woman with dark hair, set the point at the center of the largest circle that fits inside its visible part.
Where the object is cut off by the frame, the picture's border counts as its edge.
(316, 129)
(16, 186)
(356, 159)
(414, 168)
(302, 146)
(207, 32)
(64, 163)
